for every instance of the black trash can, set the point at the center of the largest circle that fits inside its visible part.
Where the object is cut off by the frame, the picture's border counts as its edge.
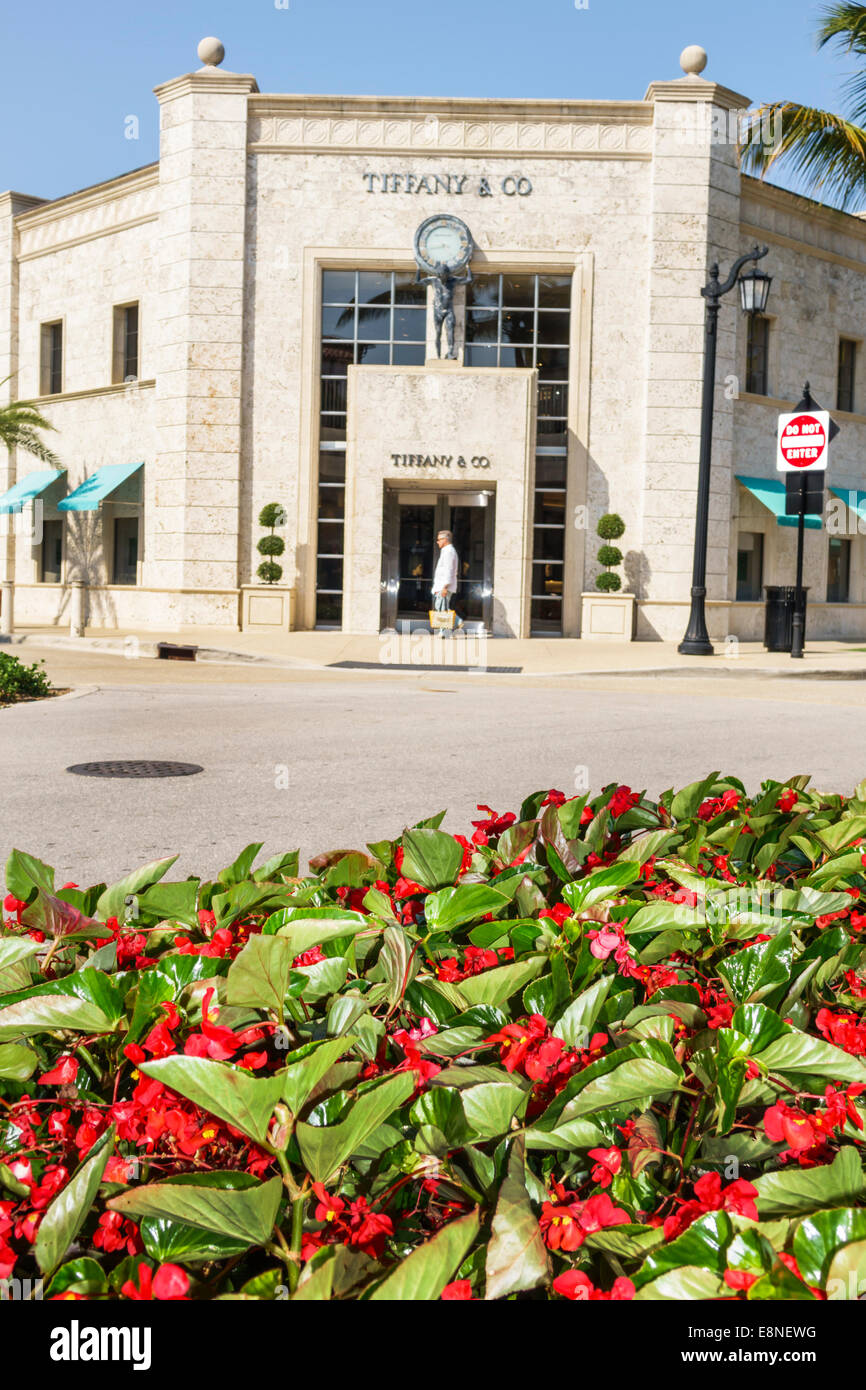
(779, 616)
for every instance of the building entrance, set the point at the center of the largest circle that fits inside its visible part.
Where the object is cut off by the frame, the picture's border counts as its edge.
(411, 523)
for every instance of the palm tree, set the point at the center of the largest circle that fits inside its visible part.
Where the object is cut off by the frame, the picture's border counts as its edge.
(826, 151)
(20, 423)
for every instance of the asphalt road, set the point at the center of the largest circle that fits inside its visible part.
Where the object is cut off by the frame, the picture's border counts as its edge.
(334, 762)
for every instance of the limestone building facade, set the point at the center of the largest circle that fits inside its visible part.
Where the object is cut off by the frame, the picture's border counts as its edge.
(243, 323)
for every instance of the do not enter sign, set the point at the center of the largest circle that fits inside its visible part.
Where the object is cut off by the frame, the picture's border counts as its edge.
(803, 439)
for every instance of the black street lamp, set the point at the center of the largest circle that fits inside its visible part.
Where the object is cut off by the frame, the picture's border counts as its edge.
(754, 293)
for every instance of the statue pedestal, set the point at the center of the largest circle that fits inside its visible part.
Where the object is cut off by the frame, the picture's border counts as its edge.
(446, 363)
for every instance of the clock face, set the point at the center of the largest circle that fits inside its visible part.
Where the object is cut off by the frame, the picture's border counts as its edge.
(443, 240)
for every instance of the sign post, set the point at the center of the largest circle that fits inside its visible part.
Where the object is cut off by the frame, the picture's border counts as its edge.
(803, 443)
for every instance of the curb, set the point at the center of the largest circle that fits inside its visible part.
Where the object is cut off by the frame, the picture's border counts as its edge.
(726, 668)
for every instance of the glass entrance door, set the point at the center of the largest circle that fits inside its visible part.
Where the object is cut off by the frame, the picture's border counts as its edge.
(411, 524)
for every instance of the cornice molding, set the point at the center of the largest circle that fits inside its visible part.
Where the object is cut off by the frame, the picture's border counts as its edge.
(444, 127)
(114, 390)
(696, 89)
(207, 80)
(93, 196)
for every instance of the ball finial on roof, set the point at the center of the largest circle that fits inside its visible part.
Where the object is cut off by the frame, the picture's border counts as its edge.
(693, 60)
(211, 52)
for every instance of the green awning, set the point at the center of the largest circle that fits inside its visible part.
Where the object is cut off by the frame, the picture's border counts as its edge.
(97, 487)
(853, 498)
(771, 493)
(29, 488)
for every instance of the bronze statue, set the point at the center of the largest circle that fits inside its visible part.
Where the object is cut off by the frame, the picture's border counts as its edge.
(444, 285)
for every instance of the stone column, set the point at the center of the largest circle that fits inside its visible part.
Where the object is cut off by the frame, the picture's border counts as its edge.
(203, 198)
(695, 216)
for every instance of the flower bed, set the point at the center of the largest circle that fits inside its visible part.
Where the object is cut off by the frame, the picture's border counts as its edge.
(603, 1048)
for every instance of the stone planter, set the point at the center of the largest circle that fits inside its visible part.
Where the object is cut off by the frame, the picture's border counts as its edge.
(607, 617)
(267, 608)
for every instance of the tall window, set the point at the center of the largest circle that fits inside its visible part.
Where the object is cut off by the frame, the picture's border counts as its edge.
(839, 570)
(51, 359)
(845, 394)
(367, 317)
(750, 565)
(125, 569)
(51, 560)
(757, 355)
(125, 354)
(524, 321)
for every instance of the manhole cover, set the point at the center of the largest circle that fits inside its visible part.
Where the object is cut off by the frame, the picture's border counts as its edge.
(135, 769)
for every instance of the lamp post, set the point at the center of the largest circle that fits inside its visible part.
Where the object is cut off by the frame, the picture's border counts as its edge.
(754, 293)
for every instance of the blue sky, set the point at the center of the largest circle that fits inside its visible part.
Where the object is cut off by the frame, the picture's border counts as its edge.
(73, 73)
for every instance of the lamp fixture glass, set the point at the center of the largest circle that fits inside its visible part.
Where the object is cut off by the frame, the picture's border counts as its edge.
(754, 286)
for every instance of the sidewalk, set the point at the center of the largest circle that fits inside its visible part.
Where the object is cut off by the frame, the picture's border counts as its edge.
(317, 651)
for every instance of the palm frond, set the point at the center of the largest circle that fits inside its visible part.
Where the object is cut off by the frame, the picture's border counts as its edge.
(846, 23)
(825, 151)
(20, 426)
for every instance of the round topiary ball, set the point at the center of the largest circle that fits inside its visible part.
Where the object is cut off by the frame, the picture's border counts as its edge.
(610, 527)
(269, 572)
(610, 555)
(274, 545)
(274, 514)
(608, 582)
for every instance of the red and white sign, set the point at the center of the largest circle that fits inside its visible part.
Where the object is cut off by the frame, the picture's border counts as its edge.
(803, 441)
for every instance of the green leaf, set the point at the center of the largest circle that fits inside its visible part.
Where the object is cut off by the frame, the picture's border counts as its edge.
(24, 872)
(751, 974)
(424, 1274)
(516, 1255)
(259, 974)
(490, 1107)
(112, 903)
(602, 884)
(398, 962)
(760, 1024)
(67, 1213)
(819, 1236)
(634, 1073)
(243, 898)
(17, 1062)
(174, 902)
(846, 1277)
(16, 948)
(704, 1244)
(177, 1241)
(576, 1023)
(304, 930)
(229, 1092)
(247, 1215)
(431, 858)
(241, 869)
(689, 1283)
(325, 1149)
(83, 1276)
(497, 986)
(306, 1067)
(791, 1192)
(452, 907)
(645, 846)
(686, 802)
(285, 865)
(47, 1012)
(802, 1054)
(440, 1119)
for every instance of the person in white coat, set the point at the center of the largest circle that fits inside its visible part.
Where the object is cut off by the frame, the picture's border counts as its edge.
(445, 576)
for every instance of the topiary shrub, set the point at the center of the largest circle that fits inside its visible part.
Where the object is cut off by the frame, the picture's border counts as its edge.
(272, 515)
(610, 527)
